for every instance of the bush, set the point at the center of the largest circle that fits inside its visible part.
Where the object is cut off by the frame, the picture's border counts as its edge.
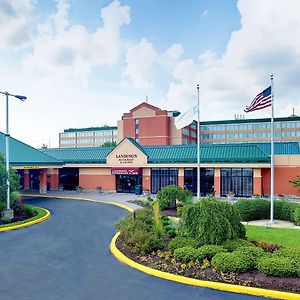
(2, 206)
(277, 266)
(170, 195)
(257, 209)
(297, 216)
(208, 252)
(232, 262)
(179, 242)
(253, 209)
(211, 222)
(185, 254)
(293, 254)
(140, 232)
(252, 252)
(231, 245)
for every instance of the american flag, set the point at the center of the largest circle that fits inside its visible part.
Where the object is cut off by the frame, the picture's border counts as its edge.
(262, 100)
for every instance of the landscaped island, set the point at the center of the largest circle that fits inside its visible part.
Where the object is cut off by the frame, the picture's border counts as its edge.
(210, 243)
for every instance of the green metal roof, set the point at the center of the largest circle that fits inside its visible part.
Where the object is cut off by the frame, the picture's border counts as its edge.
(80, 155)
(21, 154)
(238, 121)
(91, 129)
(212, 153)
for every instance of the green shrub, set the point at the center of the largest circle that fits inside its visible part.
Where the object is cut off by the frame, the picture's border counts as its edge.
(232, 262)
(2, 206)
(277, 266)
(140, 232)
(170, 195)
(231, 245)
(254, 253)
(211, 222)
(179, 242)
(284, 210)
(185, 254)
(208, 252)
(297, 216)
(293, 254)
(253, 209)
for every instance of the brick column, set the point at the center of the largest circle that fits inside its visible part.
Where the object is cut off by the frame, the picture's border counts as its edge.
(26, 179)
(217, 182)
(181, 177)
(146, 179)
(257, 182)
(53, 179)
(43, 181)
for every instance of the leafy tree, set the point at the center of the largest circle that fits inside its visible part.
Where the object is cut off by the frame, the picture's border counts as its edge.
(13, 179)
(109, 144)
(296, 182)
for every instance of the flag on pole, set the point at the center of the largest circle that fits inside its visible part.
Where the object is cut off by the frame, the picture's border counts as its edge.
(261, 101)
(186, 118)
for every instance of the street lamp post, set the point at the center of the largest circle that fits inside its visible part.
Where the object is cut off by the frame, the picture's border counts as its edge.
(9, 213)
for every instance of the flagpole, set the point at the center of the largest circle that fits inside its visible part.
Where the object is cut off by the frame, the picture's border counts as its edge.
(272, 156)
(198, 146)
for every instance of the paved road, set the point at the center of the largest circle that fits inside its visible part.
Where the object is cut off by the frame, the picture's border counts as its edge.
(68, 257)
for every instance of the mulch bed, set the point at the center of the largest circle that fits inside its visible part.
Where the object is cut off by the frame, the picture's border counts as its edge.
(19, 216)
(160, 261)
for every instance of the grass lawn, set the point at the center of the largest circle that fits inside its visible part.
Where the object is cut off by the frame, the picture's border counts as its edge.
(281, 236)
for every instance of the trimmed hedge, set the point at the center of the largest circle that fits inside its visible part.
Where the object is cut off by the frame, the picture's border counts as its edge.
(208, 252)
(257, 209)
(277, 266)
(180, 241)
(231, 245)
(237, 262)
(185, 254)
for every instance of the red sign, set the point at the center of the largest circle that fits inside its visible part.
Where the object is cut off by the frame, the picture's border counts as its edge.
(126, 171)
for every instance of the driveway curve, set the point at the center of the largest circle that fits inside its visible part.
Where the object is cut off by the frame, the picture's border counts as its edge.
(68, 257)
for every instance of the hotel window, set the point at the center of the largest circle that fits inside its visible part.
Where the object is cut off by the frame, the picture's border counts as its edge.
(236, 180)
(136, 131)
(161, 177)
(136, 121)
(137, 140)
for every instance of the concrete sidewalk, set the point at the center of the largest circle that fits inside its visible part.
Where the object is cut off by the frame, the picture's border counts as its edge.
(106, 197)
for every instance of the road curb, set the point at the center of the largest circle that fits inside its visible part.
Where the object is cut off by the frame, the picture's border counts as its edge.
(48, 214)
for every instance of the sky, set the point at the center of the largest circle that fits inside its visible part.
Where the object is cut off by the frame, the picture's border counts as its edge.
(84, 63)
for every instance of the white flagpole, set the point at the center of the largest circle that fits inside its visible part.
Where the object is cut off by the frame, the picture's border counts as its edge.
(272, 155)
(198, 146)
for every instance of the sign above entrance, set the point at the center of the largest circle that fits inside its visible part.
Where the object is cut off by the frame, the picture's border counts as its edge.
(31, 167)
(126, 171)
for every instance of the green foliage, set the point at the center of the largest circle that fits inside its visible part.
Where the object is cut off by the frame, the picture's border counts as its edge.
(231, 245)
(170, 195)
(293, 254)
(257, 209)
(2, 206)
(180, 241)
(253, 252)
(277, 266)
(140, 232)
(13, 179)
(237, 262)
(211, 222)
(208, 252)
(297, 216)
(185, 254)
(253, 209)
(109, 144)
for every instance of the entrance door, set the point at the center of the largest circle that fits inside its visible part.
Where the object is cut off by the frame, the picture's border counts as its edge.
(126, 183)
(34, 179)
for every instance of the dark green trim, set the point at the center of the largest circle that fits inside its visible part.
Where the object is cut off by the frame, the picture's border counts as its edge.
(91, 129)
(264, 120)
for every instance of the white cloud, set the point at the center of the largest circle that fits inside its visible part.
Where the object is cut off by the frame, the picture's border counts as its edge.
(140, 61)
(175, 51)
(15, 23)
(65, 50)
(267, 42)
(204, 12)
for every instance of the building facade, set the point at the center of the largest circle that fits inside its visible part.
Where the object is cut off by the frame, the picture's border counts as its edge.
(150, 125)
(250, 130)
(87, 137)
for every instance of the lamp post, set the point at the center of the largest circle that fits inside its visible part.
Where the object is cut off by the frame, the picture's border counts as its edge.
(9, 213)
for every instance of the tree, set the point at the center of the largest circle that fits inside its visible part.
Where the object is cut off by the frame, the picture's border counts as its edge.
(13, 180)
(109, 144)
(296, 182)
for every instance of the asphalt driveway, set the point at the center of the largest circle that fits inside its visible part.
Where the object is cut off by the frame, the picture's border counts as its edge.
(68, 257)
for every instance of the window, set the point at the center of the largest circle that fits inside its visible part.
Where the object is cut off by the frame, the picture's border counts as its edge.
(136, 121)
(137, 140)
(237, 180)
(161, 177)
(136, 131)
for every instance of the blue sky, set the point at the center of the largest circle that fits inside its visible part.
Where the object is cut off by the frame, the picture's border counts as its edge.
(83, 63)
